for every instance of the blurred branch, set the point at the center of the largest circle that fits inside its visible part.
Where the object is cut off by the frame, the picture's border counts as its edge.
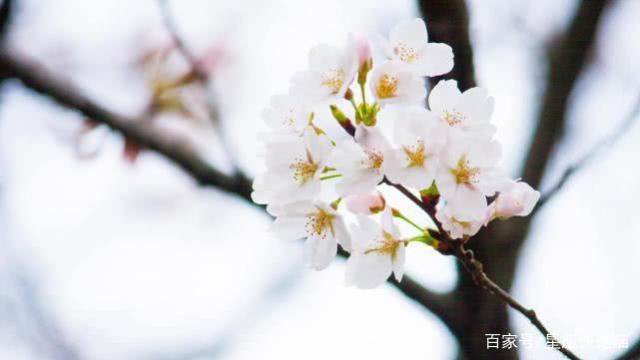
(204, 78)
(591, 154)
(5, 17)
(448, 22)
(632, 353)
(39, 79)
(567, 59)
(475, 267)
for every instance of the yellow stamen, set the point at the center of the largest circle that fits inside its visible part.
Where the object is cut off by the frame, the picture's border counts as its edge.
(405, 53)
(333, 79)
(386, 245)
(464, 173)
(304, 169)
(319, 222)
(453, 118)
(415, 154)
(387, 87)
(375, 159)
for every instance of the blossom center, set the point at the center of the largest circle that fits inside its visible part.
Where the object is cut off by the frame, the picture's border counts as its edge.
(464, 173)
(453, 118)
(387, 87)
(304, 169)
(405, 53)
(319, 222)
(386, 245)
(375, 159)
(333, 79)
(415, 154)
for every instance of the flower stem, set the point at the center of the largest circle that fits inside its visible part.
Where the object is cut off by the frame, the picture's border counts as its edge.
(399, 215)
(328, 177)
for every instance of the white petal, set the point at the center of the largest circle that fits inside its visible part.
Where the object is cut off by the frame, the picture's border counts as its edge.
(368, 271)
(444, 96)
(319, 252)
(476, 105)
(398, 262)
(435, 59)
(342, 234)
(468, 204)
(289, 228)
(412, 33)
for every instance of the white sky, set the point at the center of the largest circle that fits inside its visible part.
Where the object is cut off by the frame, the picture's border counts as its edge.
(137, 262)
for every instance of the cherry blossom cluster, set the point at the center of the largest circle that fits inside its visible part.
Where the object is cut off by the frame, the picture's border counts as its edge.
(315, 186)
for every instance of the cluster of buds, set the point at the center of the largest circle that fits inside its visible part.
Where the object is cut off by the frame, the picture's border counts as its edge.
(446, 152)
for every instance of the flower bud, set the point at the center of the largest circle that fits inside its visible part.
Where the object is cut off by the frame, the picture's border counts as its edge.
(366, 204)
(365, 62)
(517, 200)
(342, 119)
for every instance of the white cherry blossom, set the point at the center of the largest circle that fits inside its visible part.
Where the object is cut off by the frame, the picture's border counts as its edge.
(331, 72)
(320, 224)
(391, 83)
(294, 167)
(362, 163)
(409, 45)
(455, 227)
(468, 174)
(517, 199)
(377, 252)
(419, 140)
(468, 112)
(286, 116)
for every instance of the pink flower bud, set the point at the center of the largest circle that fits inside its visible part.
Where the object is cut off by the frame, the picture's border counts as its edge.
(213, 58)
(517, 200)
(366, 204)
(363, 50)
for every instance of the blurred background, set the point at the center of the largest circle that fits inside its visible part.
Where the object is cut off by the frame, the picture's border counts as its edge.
(109, 251)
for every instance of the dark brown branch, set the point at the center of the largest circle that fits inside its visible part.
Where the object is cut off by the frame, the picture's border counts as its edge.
(475, 267)
(591, 154)
(566, 62)
(204, 78)
(37, 78)
(632, 353)
(448, 22)
(40, 80)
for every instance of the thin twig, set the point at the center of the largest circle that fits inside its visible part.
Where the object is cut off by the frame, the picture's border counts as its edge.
(632, 353)
(204, 78)
(480, 277)
(587, 158)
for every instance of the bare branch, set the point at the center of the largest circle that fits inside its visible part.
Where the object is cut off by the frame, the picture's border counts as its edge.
(448, 22)
(632, 353)
(586, 159)
(203, 78)
(178, 151)
(475, 267)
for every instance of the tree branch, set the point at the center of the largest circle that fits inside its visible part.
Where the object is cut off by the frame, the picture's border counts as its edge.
(632, 353)
(566, 62)
(178, 151)
(591, 154)
(204, 78)
(448, 22)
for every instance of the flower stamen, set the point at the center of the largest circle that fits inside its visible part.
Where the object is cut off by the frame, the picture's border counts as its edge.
(304, 169)
(387, 87)
(333, 79)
